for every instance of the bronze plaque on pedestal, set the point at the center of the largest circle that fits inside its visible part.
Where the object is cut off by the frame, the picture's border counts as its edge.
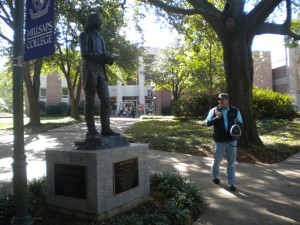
(126, 175)
(70, 180)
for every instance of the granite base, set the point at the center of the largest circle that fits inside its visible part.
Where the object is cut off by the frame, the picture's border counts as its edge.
(89, 180)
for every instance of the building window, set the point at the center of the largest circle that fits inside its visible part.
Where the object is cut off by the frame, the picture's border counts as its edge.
(65, 93)
(43, 94)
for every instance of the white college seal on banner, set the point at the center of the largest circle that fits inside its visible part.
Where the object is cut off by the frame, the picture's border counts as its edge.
(41, 8)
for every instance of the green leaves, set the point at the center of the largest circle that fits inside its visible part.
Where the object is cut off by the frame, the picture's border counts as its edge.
(6, 98)
(268, 104)
(183, 198)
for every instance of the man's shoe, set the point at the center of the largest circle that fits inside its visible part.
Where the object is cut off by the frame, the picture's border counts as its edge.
(216, 181)
(109, 132)
(232, 188)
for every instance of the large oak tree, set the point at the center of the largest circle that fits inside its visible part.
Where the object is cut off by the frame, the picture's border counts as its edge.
(236, 29)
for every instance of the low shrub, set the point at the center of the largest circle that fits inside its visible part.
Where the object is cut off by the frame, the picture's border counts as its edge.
(184, 202)
(181, 202)
(62, 108)
(59, 109)
(51, 110)
(269, 104)
(192, 107)
(37, 187)
(42, 106)
(36, 190)
(166, 110)
(6, 207)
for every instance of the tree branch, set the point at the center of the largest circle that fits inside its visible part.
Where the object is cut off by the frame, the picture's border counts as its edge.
(206, 6)
(6, 38)
(281, 29)
(288, 21)
(261, 12)
(199, 9)
(7, 19)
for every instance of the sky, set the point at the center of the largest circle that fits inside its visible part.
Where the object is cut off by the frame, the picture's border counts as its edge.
(158, 37)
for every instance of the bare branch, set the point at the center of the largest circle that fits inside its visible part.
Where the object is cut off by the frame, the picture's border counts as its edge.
(261, 12)
(281, 29)
(288, 21)
(7, 18)
(6, 38)
(205, 5)
(197, 10)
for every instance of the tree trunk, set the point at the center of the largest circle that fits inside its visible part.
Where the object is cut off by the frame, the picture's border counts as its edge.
(75, 104)
(33, 90)
(238, 65)
(74, 95)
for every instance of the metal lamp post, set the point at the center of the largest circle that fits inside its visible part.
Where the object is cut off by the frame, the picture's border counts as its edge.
(21, 216)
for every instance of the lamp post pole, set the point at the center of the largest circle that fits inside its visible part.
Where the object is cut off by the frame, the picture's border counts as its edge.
(21, 216)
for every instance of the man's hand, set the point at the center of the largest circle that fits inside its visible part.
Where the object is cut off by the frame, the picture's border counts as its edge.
(219, 115)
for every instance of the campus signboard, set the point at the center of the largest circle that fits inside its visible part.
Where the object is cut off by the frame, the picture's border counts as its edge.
(39, 29)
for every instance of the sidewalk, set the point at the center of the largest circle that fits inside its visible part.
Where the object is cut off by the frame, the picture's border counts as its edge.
(266, 195)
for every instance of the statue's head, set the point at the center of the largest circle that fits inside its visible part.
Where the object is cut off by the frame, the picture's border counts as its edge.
(93, 21)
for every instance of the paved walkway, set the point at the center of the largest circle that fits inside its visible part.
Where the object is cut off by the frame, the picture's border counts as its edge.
(266, 195)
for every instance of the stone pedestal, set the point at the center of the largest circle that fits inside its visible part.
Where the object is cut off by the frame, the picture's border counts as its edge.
(98, 183)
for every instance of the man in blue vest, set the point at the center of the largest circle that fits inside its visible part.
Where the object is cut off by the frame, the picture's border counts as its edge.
(223, 118)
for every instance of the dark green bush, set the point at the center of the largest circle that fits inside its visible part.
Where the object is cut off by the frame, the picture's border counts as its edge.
(166, 111)
(268, 104)
(6, 207)
(62, 108)
(178, 214)
(181, 198)
(154, 219)
(42, 106)
(51, 110)
(59, 109)
(145, 219)
(129, 220)
(192, 107)
(184, 201)
(37, 187)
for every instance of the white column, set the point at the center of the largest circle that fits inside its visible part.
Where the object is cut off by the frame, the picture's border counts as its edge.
(141, 81)
(119, 95)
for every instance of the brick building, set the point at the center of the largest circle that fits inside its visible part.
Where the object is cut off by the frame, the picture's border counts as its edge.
(286, 74)
(282, 76)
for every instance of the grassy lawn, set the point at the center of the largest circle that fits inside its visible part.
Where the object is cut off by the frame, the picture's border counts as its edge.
(171, 135)
(281, 139)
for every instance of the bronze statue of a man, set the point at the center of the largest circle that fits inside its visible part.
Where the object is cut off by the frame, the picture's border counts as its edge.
(94, 78)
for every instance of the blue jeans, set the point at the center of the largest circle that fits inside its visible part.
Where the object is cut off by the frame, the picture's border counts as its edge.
(222, 148)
